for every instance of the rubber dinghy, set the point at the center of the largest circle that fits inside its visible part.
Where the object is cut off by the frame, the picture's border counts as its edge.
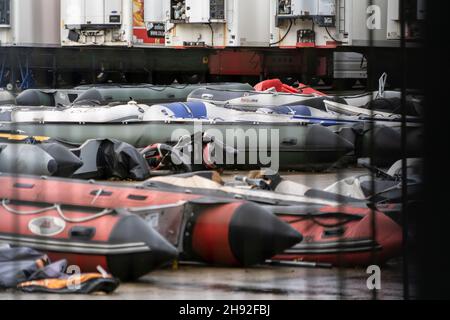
(212, 230)
(388, 102)
(247, 98)
(333, 232)
(87, 236)
(349, 110)
(38, 159)
(113, 93)
(328, 119)
(297, 144)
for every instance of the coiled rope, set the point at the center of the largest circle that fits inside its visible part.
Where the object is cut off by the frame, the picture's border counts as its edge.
(58, 209)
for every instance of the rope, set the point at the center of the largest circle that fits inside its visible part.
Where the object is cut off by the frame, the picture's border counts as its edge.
(58, 209)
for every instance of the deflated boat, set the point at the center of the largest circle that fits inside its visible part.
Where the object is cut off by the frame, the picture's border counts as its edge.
(213, 230)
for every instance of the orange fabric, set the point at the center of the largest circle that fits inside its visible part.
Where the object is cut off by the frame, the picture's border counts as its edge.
(56, 284)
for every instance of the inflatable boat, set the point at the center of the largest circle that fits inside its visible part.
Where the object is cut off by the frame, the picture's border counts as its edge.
(380, 186)
(246, 98)
(334, 232)
(342, 236)
(148, 94)
(213, 230)
(356, 129)
(382, 143)
(113, 93)
(86, 236)
(298, 144)
(385, 104)
(48, 97)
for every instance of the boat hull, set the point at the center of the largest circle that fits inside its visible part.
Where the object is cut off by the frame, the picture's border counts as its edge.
(121, 243)
(297, 145)
(207, 229)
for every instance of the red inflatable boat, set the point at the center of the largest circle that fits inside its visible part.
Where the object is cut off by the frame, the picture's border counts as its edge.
(281, 87)
(87, 237)
(342, 236)
(213, 230)
(336, 234)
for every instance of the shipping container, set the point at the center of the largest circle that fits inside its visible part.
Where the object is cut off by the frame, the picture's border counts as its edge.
(29, 23)
(304, 23)
(382, 18)
(218, 23)
(96, 22)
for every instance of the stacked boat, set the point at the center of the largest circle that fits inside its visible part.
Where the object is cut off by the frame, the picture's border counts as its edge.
(51, 139)
(257, 137)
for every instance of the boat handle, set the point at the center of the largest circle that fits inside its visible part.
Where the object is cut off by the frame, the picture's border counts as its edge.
(289, 141)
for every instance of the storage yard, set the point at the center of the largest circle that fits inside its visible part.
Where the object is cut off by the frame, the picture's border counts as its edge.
(210, 149)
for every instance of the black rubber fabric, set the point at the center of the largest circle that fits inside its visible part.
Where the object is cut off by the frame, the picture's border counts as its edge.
(255, 235)
(65, 161)
(323, 139)
(133, 229)
(35, 97)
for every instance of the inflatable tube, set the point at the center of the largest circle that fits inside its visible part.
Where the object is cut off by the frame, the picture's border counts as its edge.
(7, 98)
(26, 159)
(48, 97)
(239, 234)
(246, 98)
(334, 232)
(387, 147)
(35, 98)
(319, 102)
(147, 94)
(44, 159)
(342, 236)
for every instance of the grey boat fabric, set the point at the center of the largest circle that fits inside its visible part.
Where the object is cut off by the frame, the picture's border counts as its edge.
(147, 94)
(51, 159)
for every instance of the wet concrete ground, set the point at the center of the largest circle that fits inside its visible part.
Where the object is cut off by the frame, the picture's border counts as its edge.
(262, 282)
